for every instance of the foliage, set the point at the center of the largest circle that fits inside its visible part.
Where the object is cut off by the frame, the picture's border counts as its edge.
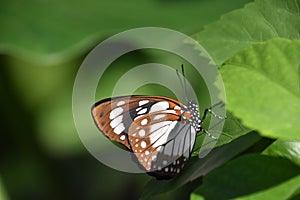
(261, 76)
(256, 48)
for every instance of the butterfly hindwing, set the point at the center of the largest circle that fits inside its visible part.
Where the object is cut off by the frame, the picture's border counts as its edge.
(162, 142)
(148, 133)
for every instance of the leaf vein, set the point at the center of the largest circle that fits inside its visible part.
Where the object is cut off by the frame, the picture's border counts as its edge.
(261, 72)
(270, 25)
(297, 7)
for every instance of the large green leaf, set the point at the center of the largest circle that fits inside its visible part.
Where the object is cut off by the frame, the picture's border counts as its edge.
(289, 149)
(251, 177)
(262, 87)
(200, 167)
(232, 129)
(257, 22)
(55, 30)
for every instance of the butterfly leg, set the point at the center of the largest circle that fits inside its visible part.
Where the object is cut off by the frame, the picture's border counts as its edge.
(215, 115)
(209, 110)
(209, 134)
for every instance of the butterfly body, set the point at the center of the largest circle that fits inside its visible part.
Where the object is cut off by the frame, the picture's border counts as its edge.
(160, 131)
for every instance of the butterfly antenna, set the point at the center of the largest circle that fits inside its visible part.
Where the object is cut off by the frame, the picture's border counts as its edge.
(180, 80)
(183, 83)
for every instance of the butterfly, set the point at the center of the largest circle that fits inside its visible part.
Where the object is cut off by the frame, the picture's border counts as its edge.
(160, 131)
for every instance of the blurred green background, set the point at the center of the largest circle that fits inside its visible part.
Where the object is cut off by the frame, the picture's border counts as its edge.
(42, 45)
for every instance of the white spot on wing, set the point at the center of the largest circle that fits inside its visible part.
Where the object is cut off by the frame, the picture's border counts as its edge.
(142, 111)
(143, 144)
(144, 121)
(116, 121)
(139, 108)
(122, 137)
(143, 102)
(177, 108)
(120, 103)
(159, 106)
(115, 112)
(142, 133)
(119, 129)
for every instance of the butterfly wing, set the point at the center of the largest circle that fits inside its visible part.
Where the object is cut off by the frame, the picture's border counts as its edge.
(113, 116)
(162, 142)
(110, 117)
(151, 127)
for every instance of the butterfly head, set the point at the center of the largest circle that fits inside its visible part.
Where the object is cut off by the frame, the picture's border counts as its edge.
(192, 115)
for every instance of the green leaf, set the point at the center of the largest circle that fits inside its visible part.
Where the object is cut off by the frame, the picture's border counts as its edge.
(232, 129)
(55, 30)
(251, 177)
(200, 167)
(289, 149)
(262, 87)
(257, 22)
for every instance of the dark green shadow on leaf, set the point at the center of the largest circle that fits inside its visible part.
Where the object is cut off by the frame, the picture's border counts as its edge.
(289, 149)
(251, 175)
(200, 167)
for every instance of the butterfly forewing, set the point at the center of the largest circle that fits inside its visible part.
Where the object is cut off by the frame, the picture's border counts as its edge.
(112, 119)
(113, 116)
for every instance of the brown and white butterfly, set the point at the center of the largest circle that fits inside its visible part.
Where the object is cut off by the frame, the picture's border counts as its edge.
(160, 131)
